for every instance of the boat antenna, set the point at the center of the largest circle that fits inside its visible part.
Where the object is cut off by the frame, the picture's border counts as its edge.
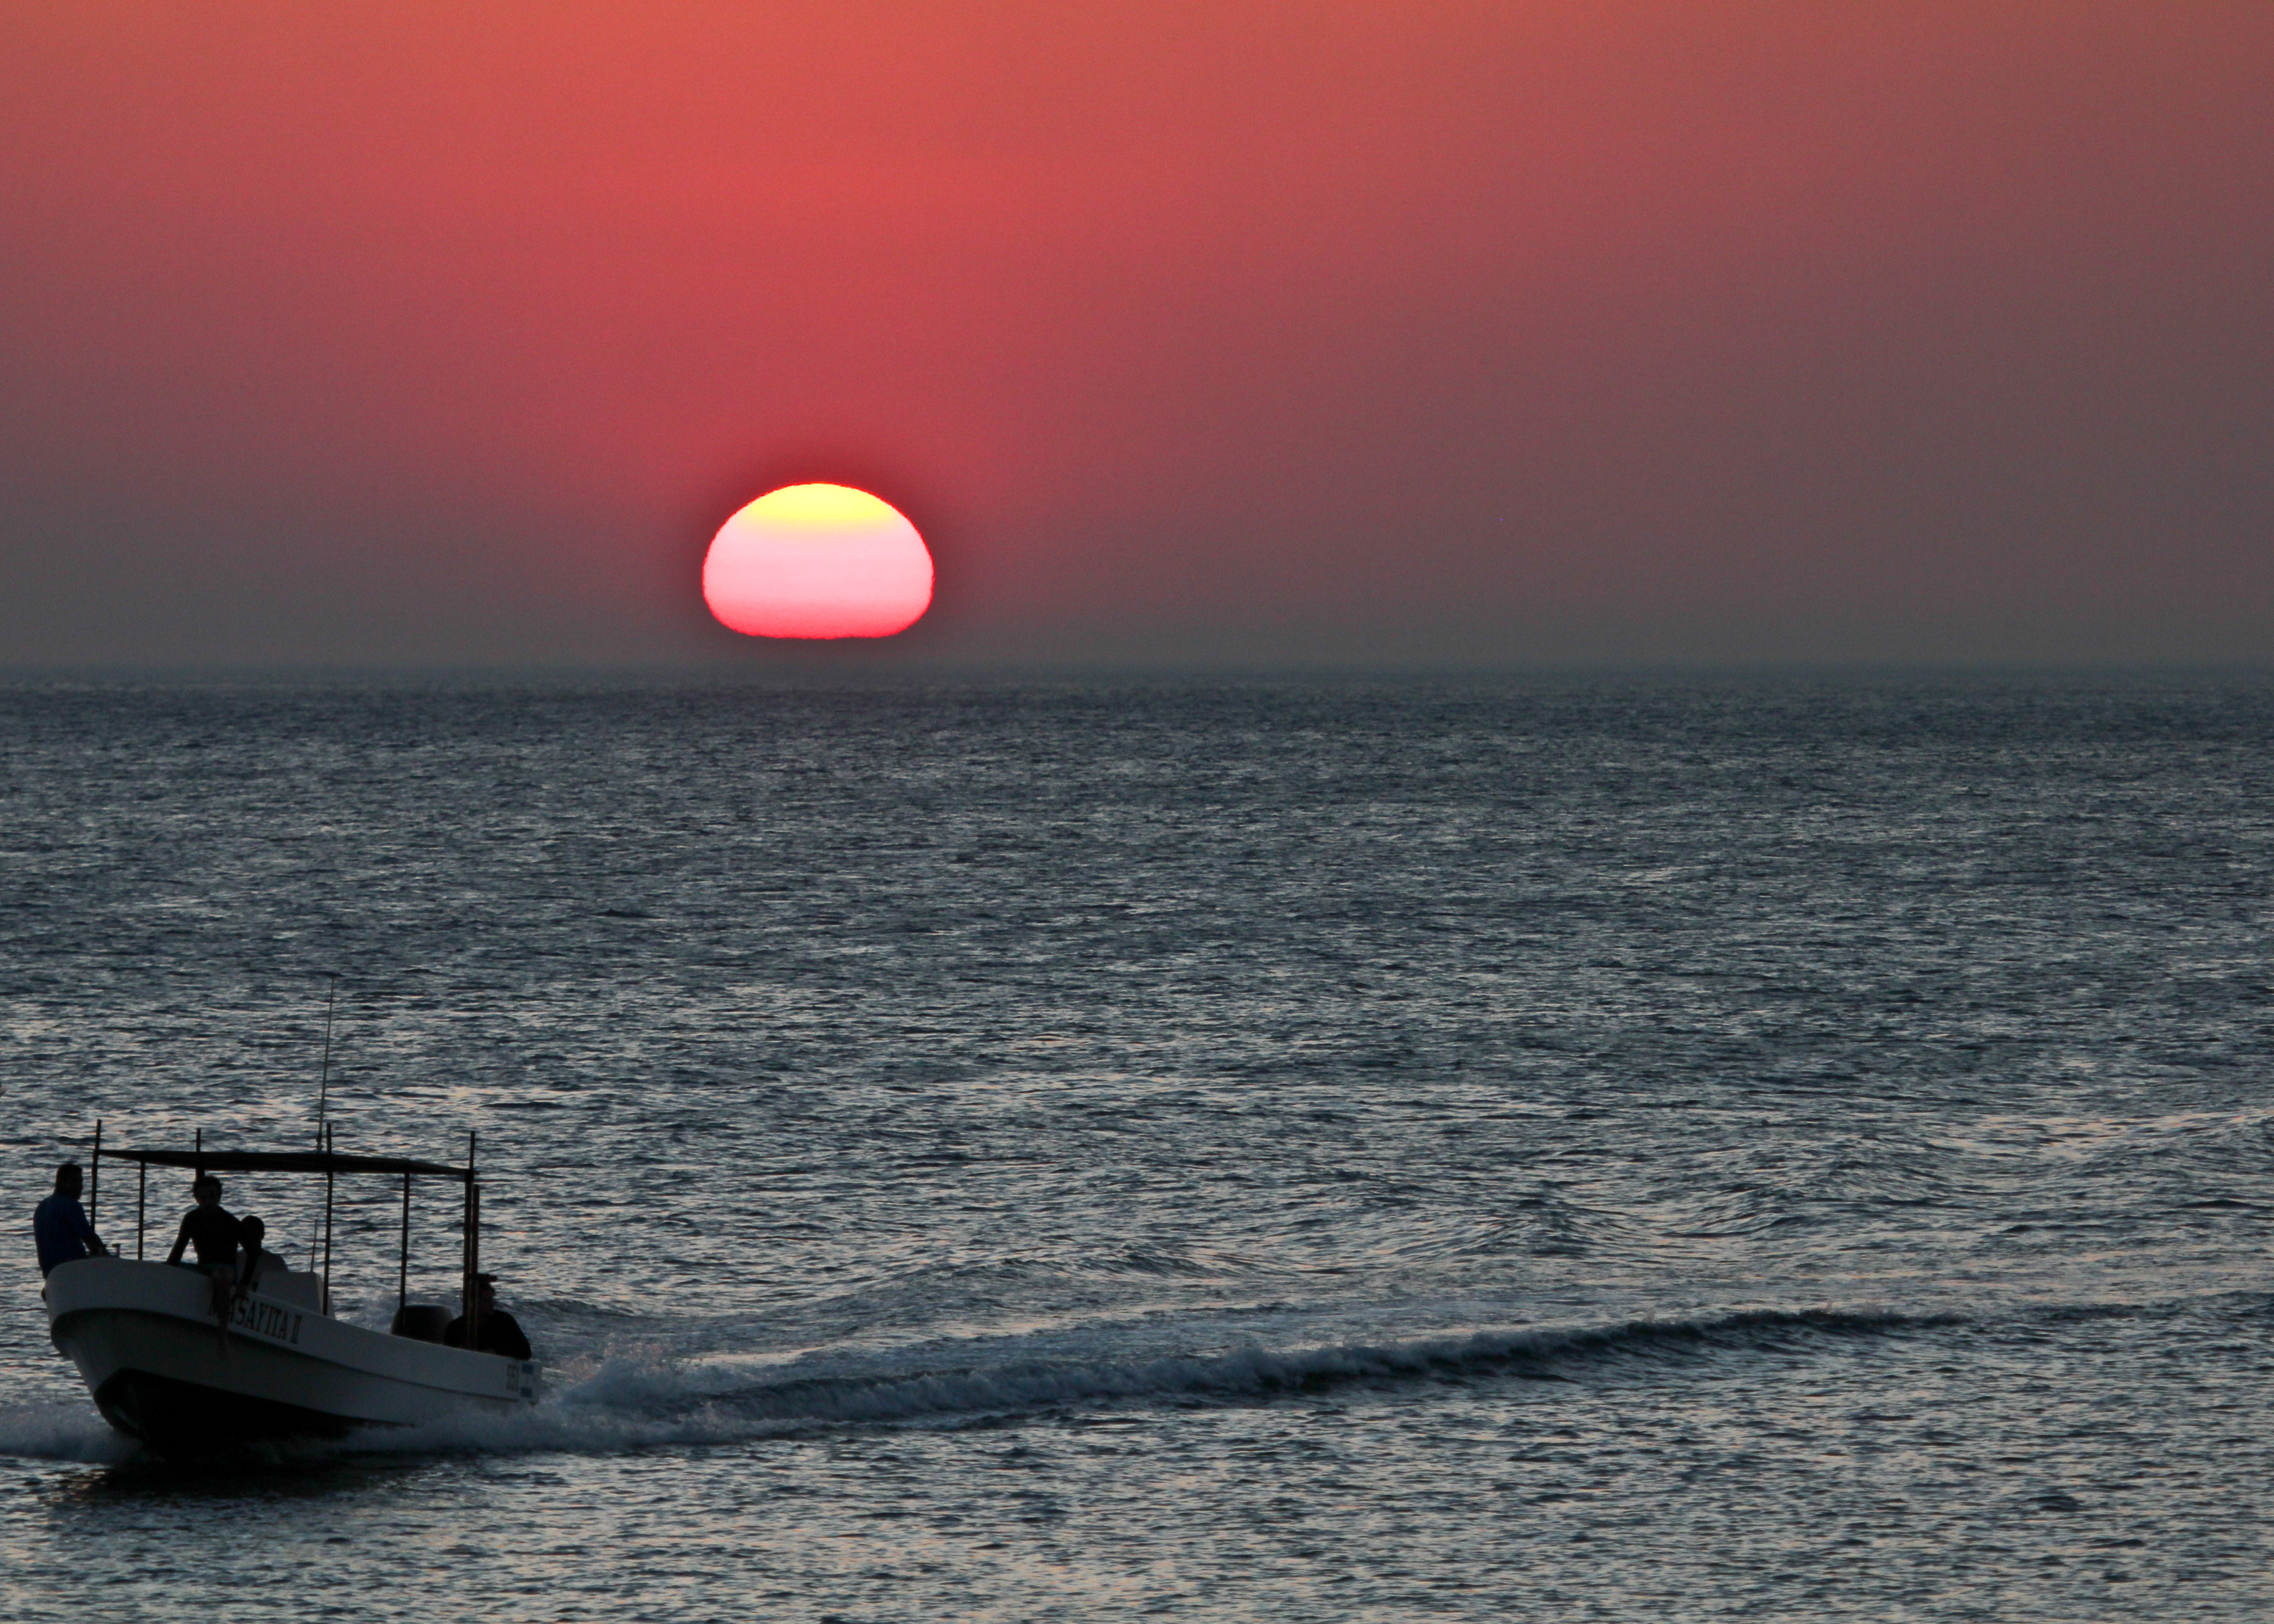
(324, 1078)
(323, 1096)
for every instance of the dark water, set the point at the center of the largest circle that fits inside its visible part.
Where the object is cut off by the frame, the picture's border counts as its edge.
(1555, 1150)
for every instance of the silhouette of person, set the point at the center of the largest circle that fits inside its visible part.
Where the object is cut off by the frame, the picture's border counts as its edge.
(252, 1261)
(499, 1333)
(209, 1227)
(60, 1227)
(212, 1228)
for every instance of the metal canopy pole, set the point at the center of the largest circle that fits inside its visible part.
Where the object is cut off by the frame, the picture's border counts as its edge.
(328, 1224)
(402, 1264)
(141, 1205)
(471, 1256)
(465, 1247)
(95, 1180)
(474, 1267)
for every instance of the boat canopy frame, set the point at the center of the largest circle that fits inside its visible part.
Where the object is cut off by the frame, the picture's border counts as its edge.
(331, 1164)
(285, 1161)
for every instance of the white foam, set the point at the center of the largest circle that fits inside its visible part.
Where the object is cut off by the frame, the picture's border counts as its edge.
(640, 1398)
(61, 1430)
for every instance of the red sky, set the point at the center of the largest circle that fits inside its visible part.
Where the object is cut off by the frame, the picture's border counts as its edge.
(1509, 334)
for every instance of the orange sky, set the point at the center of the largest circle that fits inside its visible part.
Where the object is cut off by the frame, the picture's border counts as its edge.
(1586, 331)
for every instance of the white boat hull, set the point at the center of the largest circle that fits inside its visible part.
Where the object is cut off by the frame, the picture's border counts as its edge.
(143, 1338)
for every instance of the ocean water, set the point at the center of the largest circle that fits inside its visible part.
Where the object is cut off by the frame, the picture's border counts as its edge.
(1586, 1149)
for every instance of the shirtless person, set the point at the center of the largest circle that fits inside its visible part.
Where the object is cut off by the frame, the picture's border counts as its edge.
(213, 1229)
(209, 1227)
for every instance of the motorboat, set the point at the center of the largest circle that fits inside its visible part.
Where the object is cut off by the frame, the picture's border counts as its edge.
(188, 1370)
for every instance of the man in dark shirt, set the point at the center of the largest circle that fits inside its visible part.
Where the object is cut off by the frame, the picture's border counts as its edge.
(59, 1226)
(209, 1227)
(499, 1333)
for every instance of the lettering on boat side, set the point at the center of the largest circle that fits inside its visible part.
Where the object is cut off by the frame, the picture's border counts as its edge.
(267, 1320)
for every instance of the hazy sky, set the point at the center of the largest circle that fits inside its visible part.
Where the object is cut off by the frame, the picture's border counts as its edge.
(1576, 331)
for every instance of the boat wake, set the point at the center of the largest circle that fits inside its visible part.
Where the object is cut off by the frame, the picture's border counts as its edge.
(632, 1399)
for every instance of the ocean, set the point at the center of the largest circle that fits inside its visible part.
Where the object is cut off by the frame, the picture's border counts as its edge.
(1549, 1148)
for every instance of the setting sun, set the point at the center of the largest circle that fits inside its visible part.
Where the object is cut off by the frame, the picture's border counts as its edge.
(818, 561)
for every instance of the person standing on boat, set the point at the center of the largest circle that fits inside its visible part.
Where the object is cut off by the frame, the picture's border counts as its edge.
(501, 1332)
(209, 1227)
(59, 1224)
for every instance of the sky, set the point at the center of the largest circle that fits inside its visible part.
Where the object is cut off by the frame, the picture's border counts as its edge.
(1575, 333)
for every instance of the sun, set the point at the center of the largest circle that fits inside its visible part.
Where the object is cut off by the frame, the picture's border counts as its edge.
(818, 561)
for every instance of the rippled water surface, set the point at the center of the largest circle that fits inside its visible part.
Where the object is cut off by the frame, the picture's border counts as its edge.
(1552, 1150)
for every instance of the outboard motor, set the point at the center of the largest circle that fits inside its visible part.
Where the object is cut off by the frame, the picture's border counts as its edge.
(422, 1322)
